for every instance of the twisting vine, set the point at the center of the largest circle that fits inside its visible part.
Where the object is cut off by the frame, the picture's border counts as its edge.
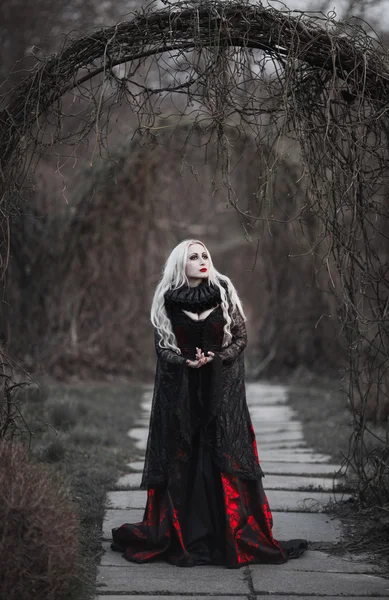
(310, 83)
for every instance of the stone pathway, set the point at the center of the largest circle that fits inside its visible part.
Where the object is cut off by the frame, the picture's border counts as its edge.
(298, 483)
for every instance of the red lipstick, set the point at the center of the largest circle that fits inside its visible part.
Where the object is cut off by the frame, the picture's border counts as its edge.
(203, 270)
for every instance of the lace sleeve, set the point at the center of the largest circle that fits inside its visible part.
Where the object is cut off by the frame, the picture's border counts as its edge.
(165, 353)
(239, 340)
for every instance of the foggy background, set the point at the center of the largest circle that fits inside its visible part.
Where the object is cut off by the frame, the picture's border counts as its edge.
(88, 246)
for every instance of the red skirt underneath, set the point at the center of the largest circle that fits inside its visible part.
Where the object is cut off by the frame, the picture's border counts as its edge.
(221, 519)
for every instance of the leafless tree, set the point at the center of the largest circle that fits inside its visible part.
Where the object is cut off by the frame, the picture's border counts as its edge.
(309, 81)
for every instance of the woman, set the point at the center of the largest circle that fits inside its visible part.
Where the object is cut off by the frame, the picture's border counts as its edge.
(205, 500)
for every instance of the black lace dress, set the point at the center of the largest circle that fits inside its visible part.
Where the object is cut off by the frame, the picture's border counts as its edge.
(205, 499)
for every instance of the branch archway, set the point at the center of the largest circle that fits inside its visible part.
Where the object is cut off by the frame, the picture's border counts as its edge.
(321, 84)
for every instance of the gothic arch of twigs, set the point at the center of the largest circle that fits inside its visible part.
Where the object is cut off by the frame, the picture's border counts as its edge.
(308, 80)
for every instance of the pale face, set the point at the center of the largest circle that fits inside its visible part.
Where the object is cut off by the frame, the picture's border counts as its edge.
(198, 263)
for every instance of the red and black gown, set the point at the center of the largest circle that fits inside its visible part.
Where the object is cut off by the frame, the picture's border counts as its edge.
(205, 499)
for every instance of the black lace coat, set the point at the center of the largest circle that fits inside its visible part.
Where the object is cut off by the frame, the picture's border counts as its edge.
(211, 399)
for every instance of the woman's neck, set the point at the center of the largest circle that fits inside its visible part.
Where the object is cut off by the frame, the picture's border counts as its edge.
(194, 282)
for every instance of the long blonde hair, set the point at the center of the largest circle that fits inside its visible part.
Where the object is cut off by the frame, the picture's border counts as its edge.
(173, 277)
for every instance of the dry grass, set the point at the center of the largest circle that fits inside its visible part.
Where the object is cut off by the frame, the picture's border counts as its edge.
(39, 530)
(88, 455)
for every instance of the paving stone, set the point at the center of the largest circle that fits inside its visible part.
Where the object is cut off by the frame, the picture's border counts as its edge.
(141, 444)
(302, 455)
(115, 559)
(170, 597)
(282, 445)
(271, 413)
(304, 501)
(137, 465)
(270, 580)
(307, 469)
(272, 388)
(235, 597)
(316, 527)
(312, 560)
(281, 436)
(271, 482)
(138, 433)
(277, 425)
(129, 481)
(147, 397)
(265, 402)
(148, 389)
(262, 430)
(173, 580)
(265, 390)
(133, 499)
(280, 456)
(293, 457)
(295, 482)
(279, 500)
(124, 499)
(288, 466)
(143, 422)
(322, 562)
(297, 452)
(285, 445)
(268, 400)
(255, 394)
(277, 468)
(115, 518)
(146, 404)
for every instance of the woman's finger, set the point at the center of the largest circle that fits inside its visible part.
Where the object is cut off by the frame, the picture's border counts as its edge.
(194, 364)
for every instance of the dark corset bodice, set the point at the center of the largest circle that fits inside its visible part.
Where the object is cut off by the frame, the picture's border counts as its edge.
(206, 334)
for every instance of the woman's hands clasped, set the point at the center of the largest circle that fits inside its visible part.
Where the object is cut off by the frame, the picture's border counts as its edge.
(201, 359)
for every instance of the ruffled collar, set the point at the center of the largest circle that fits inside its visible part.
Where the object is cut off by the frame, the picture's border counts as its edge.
(194, 299)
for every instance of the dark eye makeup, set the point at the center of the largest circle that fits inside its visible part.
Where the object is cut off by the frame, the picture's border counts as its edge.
(194, 256)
